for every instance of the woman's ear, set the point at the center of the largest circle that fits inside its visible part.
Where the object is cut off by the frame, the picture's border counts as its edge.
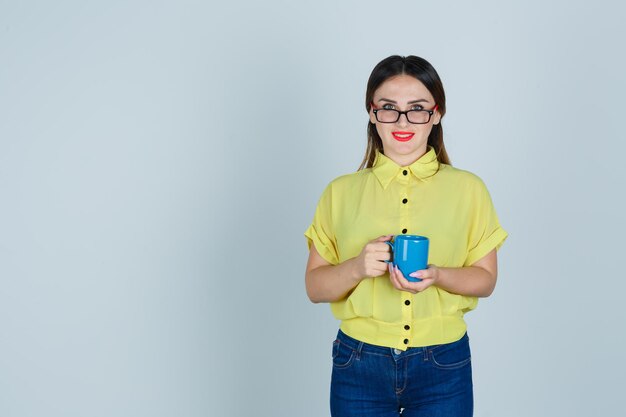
(436, 117)
(372, 116)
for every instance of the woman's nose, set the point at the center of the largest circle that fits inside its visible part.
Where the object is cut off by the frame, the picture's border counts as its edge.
(402, 120)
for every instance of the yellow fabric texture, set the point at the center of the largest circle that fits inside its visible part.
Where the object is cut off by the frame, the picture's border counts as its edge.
(450, 206)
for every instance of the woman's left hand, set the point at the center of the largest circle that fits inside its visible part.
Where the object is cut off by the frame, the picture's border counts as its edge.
(428, 277)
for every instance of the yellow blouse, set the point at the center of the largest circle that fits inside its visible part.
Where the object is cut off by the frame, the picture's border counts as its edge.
(450, 206)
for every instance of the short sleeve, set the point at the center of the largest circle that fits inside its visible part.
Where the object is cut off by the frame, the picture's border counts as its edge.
(321, 232)
(486, 233)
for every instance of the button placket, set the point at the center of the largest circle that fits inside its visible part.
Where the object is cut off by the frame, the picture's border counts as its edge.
(406, 318)
(404, 201)
(407, 309)
(405, 180)
(407, 334)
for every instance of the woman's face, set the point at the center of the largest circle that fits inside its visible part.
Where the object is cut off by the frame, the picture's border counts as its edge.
(404, 142)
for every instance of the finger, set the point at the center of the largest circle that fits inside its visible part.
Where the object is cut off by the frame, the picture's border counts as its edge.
(422, 274)
(393, 278)
(413, 287)
(384, 238)
(400, 276)
(383, 256)
(380, 247)
(398, 281)
(375, 258)
(421, 285)
(404, 284)
(380, 268)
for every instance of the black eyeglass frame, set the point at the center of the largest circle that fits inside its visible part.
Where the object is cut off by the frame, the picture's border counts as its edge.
(406, 114)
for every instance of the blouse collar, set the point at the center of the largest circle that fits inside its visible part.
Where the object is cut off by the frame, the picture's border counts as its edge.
(386, 170)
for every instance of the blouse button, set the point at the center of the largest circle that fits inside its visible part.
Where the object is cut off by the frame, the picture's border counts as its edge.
(404, 231)
(407, 327)
(405, 172)
(407, 302)
(406, 341)
(404, 201)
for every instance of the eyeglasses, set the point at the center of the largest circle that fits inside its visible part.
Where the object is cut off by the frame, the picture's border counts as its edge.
(417, 117)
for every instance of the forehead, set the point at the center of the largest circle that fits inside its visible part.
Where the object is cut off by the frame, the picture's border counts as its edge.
(403, 88)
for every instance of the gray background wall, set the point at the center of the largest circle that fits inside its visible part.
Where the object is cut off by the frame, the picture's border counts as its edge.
(159, 162)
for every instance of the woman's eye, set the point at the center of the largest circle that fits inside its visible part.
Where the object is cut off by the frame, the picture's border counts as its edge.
(388, 106)
(417, 108)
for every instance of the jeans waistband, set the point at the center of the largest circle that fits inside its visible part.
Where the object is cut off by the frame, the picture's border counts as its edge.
(359, 346)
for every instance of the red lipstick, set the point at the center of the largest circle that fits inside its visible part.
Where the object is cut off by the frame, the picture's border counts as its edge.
(403, 136)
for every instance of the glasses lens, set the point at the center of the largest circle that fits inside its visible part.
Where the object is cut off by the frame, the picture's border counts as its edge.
(387, 116)
(418, 116)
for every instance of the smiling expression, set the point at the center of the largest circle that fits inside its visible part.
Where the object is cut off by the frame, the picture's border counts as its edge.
(404, 142)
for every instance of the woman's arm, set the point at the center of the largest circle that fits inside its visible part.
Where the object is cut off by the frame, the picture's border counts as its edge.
(327, 283)
(477, 280)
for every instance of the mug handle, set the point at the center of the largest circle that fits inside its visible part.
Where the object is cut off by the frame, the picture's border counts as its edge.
(391, 246)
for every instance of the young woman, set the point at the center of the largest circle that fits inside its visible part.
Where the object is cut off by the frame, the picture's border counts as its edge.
(402, 347)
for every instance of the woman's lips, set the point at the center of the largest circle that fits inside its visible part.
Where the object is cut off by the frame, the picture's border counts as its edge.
(402, 136)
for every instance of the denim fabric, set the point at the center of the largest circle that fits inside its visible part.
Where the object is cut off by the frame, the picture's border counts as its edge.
(376, 381)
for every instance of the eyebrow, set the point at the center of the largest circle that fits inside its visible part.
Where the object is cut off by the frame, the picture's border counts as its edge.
(421, 100)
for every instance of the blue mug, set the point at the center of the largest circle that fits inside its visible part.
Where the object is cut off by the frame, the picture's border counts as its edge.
(409, 254)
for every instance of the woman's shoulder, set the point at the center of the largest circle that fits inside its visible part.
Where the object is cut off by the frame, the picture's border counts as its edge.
(460, 176)
(351, 179)
(344, 185)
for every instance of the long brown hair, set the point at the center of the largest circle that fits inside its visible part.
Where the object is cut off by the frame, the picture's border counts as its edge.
(424, 72)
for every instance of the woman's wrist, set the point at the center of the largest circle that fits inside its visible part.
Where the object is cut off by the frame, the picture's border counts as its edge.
(470, 280)
(352, 270)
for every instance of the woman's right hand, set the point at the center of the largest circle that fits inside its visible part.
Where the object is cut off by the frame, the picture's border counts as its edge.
(328, 283)
(371, 260)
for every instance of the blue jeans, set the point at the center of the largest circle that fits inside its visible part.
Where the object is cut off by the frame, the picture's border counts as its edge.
(376, 381)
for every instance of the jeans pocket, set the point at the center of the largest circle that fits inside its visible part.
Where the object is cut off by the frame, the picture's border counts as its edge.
(451, 356)
(342, 355)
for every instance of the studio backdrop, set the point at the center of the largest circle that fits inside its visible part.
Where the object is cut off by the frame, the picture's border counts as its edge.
(160, 161)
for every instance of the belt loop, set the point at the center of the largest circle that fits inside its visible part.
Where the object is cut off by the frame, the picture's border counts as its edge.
(426, 353)
(358, 351)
